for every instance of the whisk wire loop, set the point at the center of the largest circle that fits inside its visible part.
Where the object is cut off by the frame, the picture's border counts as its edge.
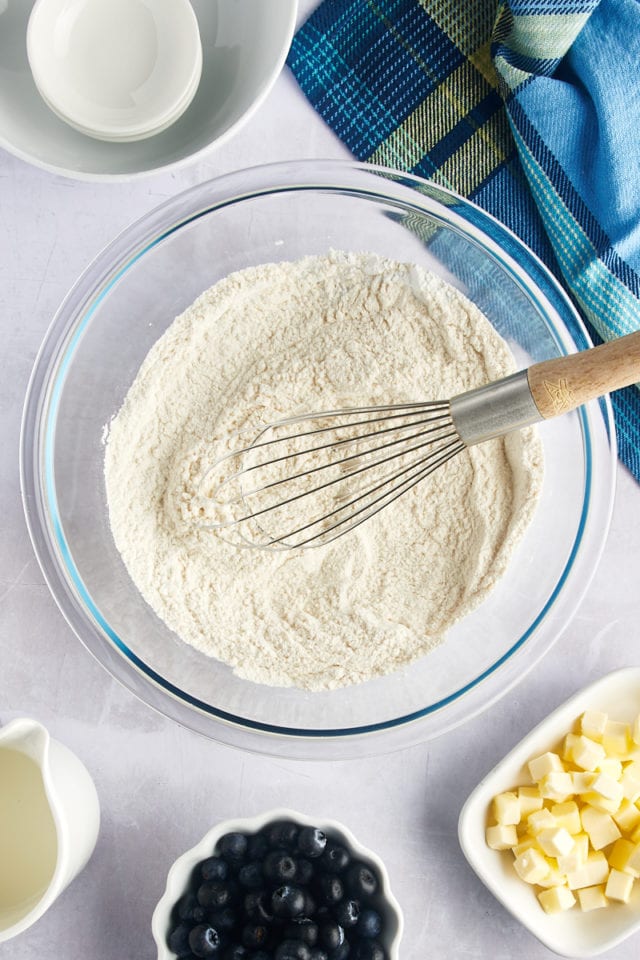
(336, 463)
(426, 466)
(294, 501)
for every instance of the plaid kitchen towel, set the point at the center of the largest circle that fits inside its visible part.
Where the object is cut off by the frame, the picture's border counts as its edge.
(531, 108)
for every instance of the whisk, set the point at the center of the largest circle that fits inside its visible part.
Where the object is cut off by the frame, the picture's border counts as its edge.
(306, 480)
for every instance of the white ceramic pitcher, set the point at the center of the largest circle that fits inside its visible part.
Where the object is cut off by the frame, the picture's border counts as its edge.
(49, 820)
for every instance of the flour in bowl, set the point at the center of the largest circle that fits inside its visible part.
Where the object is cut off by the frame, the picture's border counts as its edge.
(318, 333)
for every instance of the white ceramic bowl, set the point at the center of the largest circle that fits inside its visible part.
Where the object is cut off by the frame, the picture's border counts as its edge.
(118, 70)
(244, 47)
(572, 933)
(180, 874)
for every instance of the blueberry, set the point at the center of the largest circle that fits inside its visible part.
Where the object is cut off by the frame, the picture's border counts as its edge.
(214, 868)
(369, 924)
(347, 913)
(283, 833)
(254, 935)
(304, 872)
(188, 908)
(329, 889)
(258, 846)
(335, 858)
(309, 905)
(292, 950)
(261, 955)
(361, 881)
(311, 842)
(341, 952)
(236, 952)
(257, 905)
(250, 875)
(368, 950)
(178, 939)
(305, 930)
(279, 866)
(204, 940)
(223, 920)
(215, 894)
(288, 901)
(318, 954)
(331, 935)
(233, 847)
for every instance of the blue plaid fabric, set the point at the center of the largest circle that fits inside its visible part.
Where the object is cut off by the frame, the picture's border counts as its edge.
(531, 108)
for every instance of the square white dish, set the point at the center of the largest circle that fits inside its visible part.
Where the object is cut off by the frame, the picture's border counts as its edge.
(572, 933)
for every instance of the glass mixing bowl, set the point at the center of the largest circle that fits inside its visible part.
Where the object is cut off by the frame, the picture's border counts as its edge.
(129, 296)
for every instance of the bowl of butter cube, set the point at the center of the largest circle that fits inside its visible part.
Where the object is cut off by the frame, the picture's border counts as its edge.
(553, 830)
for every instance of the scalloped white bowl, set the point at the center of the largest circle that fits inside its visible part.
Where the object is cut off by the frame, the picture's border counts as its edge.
(181, 869)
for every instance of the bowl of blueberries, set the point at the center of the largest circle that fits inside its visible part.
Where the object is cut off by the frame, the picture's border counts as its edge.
(280, 886)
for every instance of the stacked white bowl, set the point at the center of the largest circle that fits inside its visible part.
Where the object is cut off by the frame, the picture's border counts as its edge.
(116, 70)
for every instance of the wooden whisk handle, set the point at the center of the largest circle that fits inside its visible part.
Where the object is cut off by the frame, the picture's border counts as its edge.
(560, 385)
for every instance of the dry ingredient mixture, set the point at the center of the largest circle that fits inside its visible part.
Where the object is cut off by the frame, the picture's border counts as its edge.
(265, 342)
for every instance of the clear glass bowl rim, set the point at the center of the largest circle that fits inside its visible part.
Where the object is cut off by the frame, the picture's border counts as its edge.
(38, 489)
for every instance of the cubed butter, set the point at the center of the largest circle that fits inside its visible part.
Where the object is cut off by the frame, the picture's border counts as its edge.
(540, 820)
(531, 866)
(635, 730)
(595, 870)
(577, 856)
(556, 785)
(567, 747)
(506, 808)
(599, 827)
(501, 836)
(570, 862)
(567, 816)
(619, 886)
(616, 738)
(608, 788)
(587, 754)
(556, 899)
(547, 763)
(625, 857)
(592, 898)
(627, 816)
(593, 724)
(525, 844)
(555, 842)
(630, 781)
(585, 797)
(581, 781)
(612, 767)
(530, 800)
(554, 878)
(601, 803)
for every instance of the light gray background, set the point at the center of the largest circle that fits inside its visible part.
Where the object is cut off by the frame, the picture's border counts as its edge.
(162, 787)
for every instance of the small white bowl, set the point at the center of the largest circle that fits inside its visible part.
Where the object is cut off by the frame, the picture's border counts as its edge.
(572, 933)
(180, 874)
(117, 70)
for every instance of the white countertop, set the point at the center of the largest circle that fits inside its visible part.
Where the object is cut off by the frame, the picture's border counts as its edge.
(161, 786)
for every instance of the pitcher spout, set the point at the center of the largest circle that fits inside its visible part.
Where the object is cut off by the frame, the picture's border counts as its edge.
(26, 736)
